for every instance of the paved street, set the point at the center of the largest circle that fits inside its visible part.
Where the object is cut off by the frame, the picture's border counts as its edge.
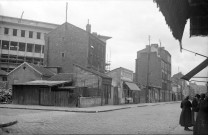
(158, 119)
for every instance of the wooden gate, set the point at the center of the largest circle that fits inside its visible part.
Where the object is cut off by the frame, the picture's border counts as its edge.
(45, 96)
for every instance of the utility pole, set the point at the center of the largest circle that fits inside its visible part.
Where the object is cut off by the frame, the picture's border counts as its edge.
(147, 86)
(66, 10)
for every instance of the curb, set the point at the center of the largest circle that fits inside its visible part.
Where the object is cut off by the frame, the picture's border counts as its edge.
(84, 111)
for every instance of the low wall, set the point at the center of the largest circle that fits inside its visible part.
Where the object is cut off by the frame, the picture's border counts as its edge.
(89, 101)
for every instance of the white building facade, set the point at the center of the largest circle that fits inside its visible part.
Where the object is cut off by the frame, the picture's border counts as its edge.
(22, 40)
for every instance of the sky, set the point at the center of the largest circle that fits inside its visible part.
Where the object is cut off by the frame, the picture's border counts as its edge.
(128, 22)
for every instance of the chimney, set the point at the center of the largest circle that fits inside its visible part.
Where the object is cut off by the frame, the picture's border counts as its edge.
(88, 27)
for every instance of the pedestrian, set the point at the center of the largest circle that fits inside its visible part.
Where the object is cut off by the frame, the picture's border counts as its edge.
(195, 108)
(201, 125)
(185, 117)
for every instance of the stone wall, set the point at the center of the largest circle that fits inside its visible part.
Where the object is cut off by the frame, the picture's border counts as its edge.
(89, 101)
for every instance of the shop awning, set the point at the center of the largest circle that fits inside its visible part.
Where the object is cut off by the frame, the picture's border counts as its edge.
(132, 86)
(196, 70)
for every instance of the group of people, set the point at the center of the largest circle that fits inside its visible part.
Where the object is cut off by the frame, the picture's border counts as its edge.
(195, 114)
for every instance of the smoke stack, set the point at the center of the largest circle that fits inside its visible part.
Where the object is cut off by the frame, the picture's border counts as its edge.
(88, 27)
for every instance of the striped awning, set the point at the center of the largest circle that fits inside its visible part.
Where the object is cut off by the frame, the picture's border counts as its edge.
(132, 86)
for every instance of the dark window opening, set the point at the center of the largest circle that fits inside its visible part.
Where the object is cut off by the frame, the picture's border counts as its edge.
(20, 59)
(4, 60)
(4, 79)
(6, 31)
(38, 48)
(38, 35)
(29, 60)
(5, 44)
(22, 33)
(21, 46)
(14, 32)
(63, 55)
(30, 47)
(13, 46)
(37, 61)
(30, 34)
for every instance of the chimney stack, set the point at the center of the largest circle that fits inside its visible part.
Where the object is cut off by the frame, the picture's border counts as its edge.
(88, 27)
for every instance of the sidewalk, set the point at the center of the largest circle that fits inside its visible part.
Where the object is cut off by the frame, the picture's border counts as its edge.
(95, 109)
(179, 130)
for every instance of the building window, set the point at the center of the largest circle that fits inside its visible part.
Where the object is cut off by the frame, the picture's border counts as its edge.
(38, 35)
(5, 44)
(38, 48)
(30, 47)
(4, 79)
(13, 45)
(6, 31)
(14, 32)
(30, 34)
(22, 33)
(21, 46)
(29, 60)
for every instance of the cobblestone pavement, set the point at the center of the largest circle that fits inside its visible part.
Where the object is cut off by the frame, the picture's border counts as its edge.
(159, 119)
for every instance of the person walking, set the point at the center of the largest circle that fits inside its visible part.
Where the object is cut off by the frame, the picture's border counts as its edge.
(201, 125)
(185, 117)
(195, 107)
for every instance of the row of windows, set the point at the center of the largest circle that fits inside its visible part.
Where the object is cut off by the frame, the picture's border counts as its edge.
(20, 46)
(5, 58)
(165, 66)
(165, 76)
(22, 33)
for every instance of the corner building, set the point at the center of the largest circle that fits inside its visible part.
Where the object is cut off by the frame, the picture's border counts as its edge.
(68, 45)
(153, 73)
(22, 40)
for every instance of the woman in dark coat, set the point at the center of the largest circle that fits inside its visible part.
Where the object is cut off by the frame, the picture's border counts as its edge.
(201, 125)
(185, 118)
(195, 108)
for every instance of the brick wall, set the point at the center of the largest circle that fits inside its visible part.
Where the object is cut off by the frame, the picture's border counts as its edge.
(66, 45)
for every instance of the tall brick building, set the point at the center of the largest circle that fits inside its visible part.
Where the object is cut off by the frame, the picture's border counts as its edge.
(69, 44)
(153, 69)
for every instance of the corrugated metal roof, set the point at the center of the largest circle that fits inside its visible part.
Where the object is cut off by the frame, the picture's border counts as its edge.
(43, 83)
(132, 86)
(42, 70)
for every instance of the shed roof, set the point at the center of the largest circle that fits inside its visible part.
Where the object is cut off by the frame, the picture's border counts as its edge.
(43, 83)
(94, 72)
(42, 70)
(38, 68)
(62, 77)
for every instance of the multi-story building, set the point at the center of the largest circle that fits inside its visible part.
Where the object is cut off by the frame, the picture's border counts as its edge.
(68, 45)
(153, 72)
(179, 86)
(22, 40)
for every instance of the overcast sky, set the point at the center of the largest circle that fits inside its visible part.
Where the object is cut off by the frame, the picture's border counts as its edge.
(128, 22)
